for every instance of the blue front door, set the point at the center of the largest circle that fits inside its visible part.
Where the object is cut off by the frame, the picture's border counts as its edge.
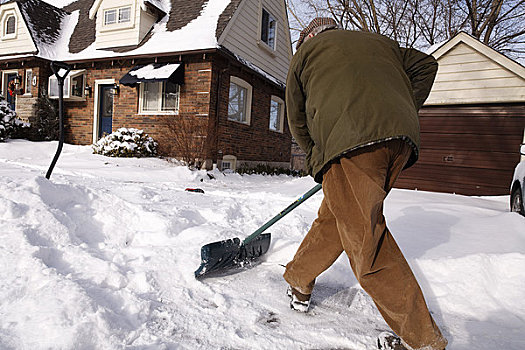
(105, 112)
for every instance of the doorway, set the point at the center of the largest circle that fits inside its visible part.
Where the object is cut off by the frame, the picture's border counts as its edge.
(9, 94)
(105, 109)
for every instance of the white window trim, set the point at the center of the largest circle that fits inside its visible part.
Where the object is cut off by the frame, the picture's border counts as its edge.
(231, 160)
(5, 16)
(117, 25)
(259, 40)
(67, 81)
(5, 73)
(158, 112)
(242, 83)
(30, 83)
(281, 116)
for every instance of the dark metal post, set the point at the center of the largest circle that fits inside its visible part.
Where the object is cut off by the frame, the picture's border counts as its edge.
(56, 66)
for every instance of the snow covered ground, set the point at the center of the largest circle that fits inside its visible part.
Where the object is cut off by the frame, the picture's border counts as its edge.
(103, 255)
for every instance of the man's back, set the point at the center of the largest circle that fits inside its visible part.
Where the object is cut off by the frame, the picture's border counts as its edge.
(355, 91)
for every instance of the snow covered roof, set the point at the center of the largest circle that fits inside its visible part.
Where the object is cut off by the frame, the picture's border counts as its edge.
(43, 21)
(158, 4)
(153, 73)
(68, 33)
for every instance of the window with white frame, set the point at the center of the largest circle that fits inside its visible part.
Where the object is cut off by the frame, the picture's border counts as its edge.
(74, 84)
(268, 29)
(124, 14)
(117, 15)
(9, 26)
(29, 82)
(159, 97)
(229, 162)
(239, 101)
(276, 114)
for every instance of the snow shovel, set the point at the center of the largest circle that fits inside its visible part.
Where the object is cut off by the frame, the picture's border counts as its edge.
(56, 67)
(223, 255)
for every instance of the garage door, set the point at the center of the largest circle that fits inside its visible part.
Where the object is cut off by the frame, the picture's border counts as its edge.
(469, 150)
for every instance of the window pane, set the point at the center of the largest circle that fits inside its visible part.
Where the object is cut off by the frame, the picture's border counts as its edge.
(237, 103)
(29, 80)
(264, 26)
(66, 87)
(150, 97)
(275, 115)
(124, 14)
(53, 88)
(271, 32)
(110, 17)
(170, 96)
(10, 25)
(268, 26)
(77, 85)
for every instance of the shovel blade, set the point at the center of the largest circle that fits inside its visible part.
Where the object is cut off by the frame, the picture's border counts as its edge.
(224, 255)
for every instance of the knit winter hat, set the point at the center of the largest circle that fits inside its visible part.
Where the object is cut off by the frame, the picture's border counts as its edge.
(316, 26)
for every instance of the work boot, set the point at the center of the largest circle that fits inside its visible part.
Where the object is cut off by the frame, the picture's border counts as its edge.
(389, 341)
(298, 301)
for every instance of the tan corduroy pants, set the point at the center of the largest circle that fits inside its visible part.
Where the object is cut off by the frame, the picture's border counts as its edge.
(351, 219)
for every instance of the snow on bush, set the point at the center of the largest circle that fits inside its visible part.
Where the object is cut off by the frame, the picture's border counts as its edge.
(9, 123)
(126, 142)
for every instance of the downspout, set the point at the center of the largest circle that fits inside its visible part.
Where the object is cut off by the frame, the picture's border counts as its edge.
(217, 114)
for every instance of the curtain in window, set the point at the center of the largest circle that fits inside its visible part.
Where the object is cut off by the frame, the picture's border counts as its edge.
(150, 98)
(170, 96)
(275, 115)
(10, 26)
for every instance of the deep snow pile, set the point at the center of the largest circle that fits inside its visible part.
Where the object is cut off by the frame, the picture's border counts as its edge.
(103, 255)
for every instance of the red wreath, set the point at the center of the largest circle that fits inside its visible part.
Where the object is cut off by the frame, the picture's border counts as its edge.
(11, 87)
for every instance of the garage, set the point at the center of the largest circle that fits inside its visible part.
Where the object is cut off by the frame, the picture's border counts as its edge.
(472, 123)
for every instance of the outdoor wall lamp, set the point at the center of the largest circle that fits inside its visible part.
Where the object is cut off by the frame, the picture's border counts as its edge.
(18, 82)
(87, 90)
(116, 89)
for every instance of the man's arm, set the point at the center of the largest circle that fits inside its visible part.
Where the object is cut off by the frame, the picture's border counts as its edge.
(421, 69)
(295, 109)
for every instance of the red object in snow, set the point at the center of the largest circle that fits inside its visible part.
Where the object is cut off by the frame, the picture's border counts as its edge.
(198, 190)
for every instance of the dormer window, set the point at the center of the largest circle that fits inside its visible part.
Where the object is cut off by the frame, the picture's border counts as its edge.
(268, 29)
(121, 23)
(118, 15)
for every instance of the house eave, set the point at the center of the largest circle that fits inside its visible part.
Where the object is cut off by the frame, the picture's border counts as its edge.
(19, 57)
(141, 56)
(266, 76)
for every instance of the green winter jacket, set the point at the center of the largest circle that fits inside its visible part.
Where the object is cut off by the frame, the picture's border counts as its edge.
(348, 89)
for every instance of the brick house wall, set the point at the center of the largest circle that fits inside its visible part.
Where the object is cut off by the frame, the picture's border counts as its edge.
(249, 143)
(194, 100)
(203, 100)
(25, 103)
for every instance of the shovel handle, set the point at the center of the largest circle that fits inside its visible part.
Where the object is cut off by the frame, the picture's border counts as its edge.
(279, 216)
(55, 67)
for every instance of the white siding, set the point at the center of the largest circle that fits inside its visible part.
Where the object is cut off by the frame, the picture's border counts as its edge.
(22, 42)
(242, 37)
(130, 33)
(147, 20)
(467, 76)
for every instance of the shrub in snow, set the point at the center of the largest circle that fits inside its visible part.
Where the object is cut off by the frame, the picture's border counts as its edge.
(45, 125)
(126, 142)
(9, 123)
